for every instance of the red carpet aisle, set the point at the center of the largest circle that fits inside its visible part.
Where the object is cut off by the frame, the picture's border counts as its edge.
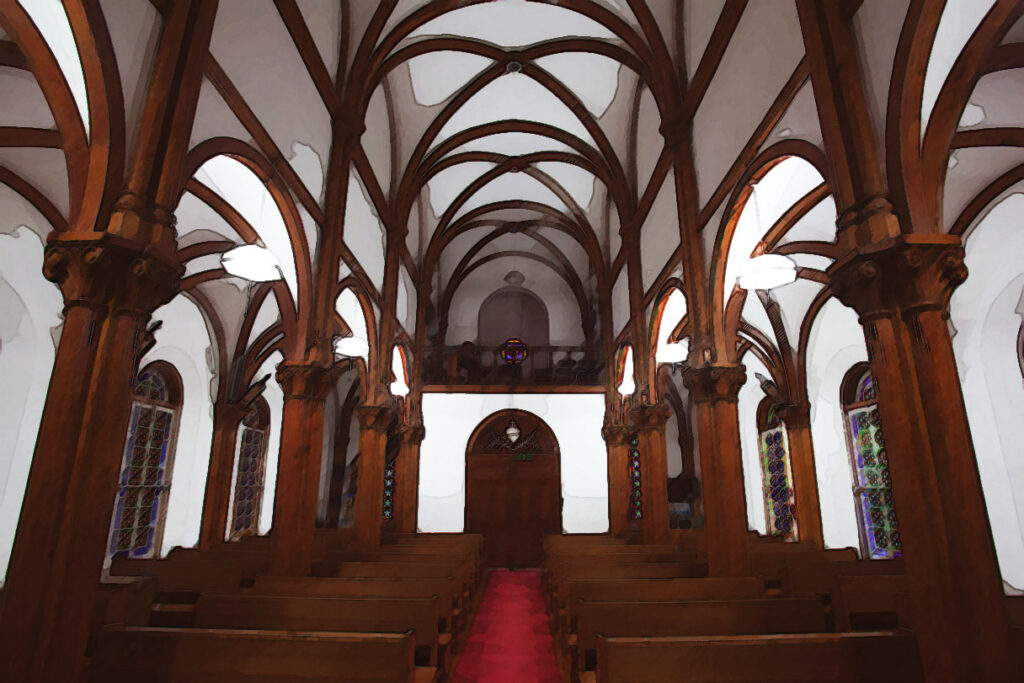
(509, 641)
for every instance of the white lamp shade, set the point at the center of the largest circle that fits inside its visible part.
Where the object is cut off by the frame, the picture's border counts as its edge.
(766, 272)
(673, 353)
(251, 262)
(352, 347)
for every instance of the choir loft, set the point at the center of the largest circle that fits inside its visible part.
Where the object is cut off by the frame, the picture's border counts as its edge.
(532, 340)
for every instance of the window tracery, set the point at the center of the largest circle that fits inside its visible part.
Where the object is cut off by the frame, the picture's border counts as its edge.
(251, 470)
(140, 504)
(776, 473)
(872, 483)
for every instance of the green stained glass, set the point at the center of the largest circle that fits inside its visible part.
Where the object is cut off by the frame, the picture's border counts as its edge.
(777, 483)
(873, 484)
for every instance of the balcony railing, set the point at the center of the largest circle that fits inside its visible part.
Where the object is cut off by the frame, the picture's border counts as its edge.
(544, 365)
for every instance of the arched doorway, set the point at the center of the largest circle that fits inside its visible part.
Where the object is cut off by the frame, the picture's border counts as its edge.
(513, 487)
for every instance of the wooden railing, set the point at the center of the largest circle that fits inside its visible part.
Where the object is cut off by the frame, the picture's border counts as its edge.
(544, 365)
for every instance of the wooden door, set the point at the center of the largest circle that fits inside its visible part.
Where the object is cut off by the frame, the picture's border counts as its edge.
(513, 489)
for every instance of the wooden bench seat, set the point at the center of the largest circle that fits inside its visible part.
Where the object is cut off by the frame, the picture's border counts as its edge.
(658, 590)
(174, 655)
(688, 618)
(304, 613)
(199, 575)
(875, 657)
(449, 597)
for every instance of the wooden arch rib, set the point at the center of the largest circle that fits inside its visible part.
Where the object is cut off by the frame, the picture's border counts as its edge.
(568, 277)
(981, 201)
(36, 54)
(33, 196)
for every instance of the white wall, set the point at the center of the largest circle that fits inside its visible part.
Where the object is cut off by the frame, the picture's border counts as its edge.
(183, 342)
(29, 308)
(836, 345)
(986, 312)
(576, 420)
(753, 486)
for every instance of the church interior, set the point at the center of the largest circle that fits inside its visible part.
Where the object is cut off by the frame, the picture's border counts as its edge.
(511, 340)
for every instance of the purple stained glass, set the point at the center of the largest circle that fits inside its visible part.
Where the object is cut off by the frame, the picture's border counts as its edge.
(249, 480)
(514, 351)
(636, 503)
(389, 491)
(143, 482)
(873, 484)
(777, 478)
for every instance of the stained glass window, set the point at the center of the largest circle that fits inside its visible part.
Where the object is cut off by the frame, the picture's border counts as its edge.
(389, 491)
(252, 460)
(777, 478)
(146, 470)
(514, 351)
(636, 504)
(872, 485)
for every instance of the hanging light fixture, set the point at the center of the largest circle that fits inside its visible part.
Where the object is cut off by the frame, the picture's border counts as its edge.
(766, 271)
(512, 431)
(251, 262)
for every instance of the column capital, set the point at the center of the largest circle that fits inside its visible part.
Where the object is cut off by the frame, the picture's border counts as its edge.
(413, 434)
(138, 218)
(231, 412)
(905, 273)
(649, 416)
(615, 433)
(374, 418)
(796, 415)
(712, 383)
(306, 380)
(104, 270)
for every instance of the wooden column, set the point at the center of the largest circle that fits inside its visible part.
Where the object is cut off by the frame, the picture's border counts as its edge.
(305, 388)
(714, 391)
(111, 286)
(901, 287)
(805, 478)
(227, 417)
(407, 479)
(369, 507)
(616, 436)
(649, 421)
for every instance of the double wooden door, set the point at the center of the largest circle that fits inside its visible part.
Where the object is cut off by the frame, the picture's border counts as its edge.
(513, 496)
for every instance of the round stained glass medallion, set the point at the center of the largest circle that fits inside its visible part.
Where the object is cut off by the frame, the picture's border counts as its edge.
(514, 351)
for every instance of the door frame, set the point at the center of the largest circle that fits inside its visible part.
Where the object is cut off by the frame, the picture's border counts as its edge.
(478, 432)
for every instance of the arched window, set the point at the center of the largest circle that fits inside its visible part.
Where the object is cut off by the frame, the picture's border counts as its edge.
(141, 502)
(249, 475)
(776, 473)
(872, 485)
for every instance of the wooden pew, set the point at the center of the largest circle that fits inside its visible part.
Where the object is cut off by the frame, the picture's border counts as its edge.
(304, 613)
(875, 657)
(657, 590)
(337, 564)
(689, 618)
(450, 608)
(168, 655)
(184, 575)
(123, 601)
(870, 603)
(557, 588)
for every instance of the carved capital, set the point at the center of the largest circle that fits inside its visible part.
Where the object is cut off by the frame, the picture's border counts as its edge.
(646, 416)
(374, 418)
(615, 434)
(228, 413)
(715, 382)
(307, 380)
(103, 270)
(900, 275)
(796, 415)
(412, 435)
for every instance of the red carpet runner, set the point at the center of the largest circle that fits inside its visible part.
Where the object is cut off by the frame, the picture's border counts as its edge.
(509, 641)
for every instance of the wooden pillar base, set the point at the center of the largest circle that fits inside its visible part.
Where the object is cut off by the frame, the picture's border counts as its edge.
(227, 416)
(305, 387)
(369, 508)
(111, 285)
(407, 479)
(649, 421)
(901, 289)
(714, 391)
(616, 436)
